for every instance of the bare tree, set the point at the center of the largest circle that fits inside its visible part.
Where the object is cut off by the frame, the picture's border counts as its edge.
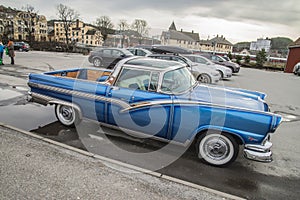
(122, 27)
(105, 25)
(141, 27)
(30, 18)
(67, 15)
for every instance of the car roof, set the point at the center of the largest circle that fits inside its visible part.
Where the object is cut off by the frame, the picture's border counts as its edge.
(153, 63)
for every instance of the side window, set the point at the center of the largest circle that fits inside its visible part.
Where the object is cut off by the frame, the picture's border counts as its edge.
(178, 60)
(140, 53)
(107, 52)
(116, 53)
(154, 81)
(134, 79)
(200, 60)
(164, 58)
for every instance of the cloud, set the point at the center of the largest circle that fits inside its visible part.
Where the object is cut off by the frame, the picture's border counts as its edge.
(272, 16)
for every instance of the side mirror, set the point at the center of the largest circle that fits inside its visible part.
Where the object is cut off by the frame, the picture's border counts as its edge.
(122, 55)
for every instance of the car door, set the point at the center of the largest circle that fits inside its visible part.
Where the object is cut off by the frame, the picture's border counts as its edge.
(106, 57)
(136, 106)
(116, 56)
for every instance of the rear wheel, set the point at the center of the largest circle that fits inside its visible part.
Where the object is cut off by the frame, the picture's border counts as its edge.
(67, 115)
(204, 78)
(97, 62)
(217, 149)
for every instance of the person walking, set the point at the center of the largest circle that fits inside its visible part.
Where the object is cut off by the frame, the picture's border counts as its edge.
(11, 52)
(2, 47)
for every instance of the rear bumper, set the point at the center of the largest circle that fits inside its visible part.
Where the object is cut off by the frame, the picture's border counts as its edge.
(261, 153)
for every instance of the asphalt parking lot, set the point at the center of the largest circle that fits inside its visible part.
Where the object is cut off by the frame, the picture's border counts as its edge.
(277, 180)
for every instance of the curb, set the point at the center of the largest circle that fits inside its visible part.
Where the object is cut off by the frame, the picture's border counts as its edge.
(122, 164)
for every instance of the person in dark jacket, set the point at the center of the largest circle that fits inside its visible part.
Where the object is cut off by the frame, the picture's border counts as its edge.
(11, 52)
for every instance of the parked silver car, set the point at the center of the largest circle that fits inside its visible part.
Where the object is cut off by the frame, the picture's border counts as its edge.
(201, 72)
(224, 72)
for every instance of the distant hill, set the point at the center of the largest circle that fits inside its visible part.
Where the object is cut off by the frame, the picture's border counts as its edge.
(280, 43)
(279, 46)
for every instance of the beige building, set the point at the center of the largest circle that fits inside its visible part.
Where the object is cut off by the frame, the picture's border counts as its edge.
(216, 44)
(24, 22)
(79, 32)
(191, 40)
(180, 38)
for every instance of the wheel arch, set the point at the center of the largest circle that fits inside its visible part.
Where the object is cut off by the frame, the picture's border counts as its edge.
(220, 130)
(208, 75)
(73, 105)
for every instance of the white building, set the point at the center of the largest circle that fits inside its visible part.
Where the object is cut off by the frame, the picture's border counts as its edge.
(261, 44)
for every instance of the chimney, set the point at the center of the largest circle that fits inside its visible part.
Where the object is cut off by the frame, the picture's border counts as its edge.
(77, 23)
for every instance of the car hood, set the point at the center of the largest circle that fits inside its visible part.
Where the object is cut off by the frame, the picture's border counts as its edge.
(225, 97)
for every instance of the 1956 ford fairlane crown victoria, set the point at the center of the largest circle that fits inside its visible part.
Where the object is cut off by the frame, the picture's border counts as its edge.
(161, 99)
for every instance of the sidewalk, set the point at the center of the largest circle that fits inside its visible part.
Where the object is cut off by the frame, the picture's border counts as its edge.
(34, 169)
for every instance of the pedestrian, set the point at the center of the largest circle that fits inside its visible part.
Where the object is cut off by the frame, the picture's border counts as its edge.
(11, 52)
(2, 47)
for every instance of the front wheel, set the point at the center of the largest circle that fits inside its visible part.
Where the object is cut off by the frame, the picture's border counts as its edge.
(67, 115)
(204, 78)
(217, 149)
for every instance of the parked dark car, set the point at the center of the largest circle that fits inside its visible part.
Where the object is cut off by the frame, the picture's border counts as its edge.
(21, 46)
(222, 61)
(108, 57)
(170, 49)
(139, 51)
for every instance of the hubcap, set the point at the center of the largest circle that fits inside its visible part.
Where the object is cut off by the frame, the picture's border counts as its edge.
(216, 148)
(97, 62)
(204, 79)
(66, 115)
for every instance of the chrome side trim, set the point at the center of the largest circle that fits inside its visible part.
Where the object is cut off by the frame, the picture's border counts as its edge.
(50, 100)
(123, 104)
(126, 106)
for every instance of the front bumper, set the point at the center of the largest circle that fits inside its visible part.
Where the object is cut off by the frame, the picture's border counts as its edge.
(261, 153)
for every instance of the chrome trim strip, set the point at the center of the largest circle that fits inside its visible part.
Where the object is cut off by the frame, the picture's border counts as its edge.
(123, 104)
(126, 106)
(51, 100)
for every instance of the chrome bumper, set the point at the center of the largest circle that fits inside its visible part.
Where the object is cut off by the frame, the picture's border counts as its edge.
(261, 153)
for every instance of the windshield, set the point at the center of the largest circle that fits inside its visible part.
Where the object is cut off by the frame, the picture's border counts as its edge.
(177, 81)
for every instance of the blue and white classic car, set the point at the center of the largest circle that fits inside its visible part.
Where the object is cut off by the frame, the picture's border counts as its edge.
(162, 100)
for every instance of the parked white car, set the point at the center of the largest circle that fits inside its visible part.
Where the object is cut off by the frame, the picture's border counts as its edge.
(224, 72)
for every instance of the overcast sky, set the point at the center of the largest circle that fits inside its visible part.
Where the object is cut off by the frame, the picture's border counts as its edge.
(237, 20)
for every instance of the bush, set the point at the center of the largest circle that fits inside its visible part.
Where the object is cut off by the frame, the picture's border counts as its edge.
(261, 58)
(238, 59)
(247, 59)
